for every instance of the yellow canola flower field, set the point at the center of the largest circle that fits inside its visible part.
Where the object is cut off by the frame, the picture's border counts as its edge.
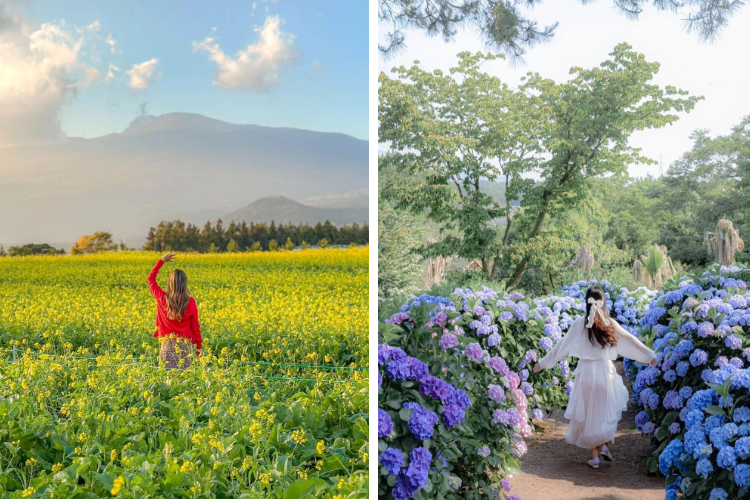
(276, 407)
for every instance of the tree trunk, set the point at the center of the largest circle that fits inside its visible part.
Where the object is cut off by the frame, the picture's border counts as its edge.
(523, 265)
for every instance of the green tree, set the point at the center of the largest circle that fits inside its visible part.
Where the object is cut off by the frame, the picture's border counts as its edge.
(305, 245)
(400, 268)
(213, 248)
(288, 245)
(470, 130)
(273, 245)
(469, 127)
(255, 247)
(2, 251)
(323, 243)
(233, 246)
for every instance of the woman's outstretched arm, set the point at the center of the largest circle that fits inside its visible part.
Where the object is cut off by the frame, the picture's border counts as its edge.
(153, 286)
(628, 346)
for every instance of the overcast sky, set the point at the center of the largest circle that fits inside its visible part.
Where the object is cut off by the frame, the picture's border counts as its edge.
(587, 34)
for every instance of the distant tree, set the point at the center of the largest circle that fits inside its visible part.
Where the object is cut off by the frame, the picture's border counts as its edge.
(255, 247)
(213, 248)
(123, 246)
(2, 251)
(101, 241)
(273, 245)
(504, 27)
(469, 127)
(233, 246)
(323, 243)
(33, 249)
(305, 245)
(289, 244)
(352, 245)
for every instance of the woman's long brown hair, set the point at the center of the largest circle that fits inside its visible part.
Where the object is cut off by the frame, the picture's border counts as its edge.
(600, 332)
(178, 295)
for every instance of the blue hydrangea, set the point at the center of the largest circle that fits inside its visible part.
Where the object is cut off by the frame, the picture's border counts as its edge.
(741, 414)
(727, 458)
(704, 467)
(693, 419)
(742, 446)
(742, 475)
(670, 455)
(682, 368)
(422, 421)
(698, 357)
(686, 392)
(392, 459)
(718, 494)
(733, 342)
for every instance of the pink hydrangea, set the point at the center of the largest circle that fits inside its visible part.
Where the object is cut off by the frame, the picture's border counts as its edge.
(499, 365)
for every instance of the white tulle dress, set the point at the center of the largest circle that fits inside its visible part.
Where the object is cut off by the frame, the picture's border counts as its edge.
(598, 397)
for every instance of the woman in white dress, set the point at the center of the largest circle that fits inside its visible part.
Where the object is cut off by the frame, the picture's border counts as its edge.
(599, 397)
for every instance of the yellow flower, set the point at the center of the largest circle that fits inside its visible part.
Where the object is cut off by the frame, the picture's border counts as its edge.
(28, 492)
(187, 466)
(321, 447)
(365, 456)
(112, 455)
(57, 468)
(246, 463)
(118, 484)
(298, 437)
(31, 462)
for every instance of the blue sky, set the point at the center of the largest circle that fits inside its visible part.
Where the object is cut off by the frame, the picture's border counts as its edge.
(326, 91)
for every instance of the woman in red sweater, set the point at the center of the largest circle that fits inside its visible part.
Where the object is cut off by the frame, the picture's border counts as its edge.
(177, 323)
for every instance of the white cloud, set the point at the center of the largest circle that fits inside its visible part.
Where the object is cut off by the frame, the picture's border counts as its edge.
(256, 67)
(143, 74)
(111, 72)
(111, 42)
(40, 70)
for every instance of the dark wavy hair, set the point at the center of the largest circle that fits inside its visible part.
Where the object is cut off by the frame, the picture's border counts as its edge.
(600, 332)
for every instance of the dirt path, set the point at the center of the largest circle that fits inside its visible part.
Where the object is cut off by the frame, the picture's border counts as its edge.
(555, 470)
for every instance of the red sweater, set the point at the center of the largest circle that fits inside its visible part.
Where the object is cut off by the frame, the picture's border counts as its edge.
(188, 327)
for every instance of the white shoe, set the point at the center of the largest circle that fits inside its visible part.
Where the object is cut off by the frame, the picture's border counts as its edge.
(594, 463)
(606, 454)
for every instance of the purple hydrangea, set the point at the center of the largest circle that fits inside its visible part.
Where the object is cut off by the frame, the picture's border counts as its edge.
(545, 343)
(496, 393)
(705, 329)
(538, 413)
(484, 451)
(499, 365)
(474, 351)
(733, 342)
(452, 415)
(448, 341)
(385, 424)
(698, 357)
(422, 421)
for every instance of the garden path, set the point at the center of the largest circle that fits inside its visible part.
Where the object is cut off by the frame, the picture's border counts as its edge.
(555, 470)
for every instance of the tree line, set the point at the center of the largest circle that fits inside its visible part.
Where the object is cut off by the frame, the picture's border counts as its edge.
(237, 237)
(240, 237)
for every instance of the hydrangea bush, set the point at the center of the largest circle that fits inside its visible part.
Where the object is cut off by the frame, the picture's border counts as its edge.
(695, 402)
(451, 421)
(484, 343)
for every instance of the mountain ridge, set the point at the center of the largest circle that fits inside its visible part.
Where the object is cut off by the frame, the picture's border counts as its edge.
(174, 166)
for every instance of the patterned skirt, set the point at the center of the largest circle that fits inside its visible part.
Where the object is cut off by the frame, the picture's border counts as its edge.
(176, 352)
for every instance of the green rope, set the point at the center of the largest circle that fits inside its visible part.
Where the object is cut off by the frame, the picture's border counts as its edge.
(128, 360)
(258, 363)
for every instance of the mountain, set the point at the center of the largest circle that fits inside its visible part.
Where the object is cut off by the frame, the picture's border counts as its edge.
(173, 166)
(283, 210)
(350, 199)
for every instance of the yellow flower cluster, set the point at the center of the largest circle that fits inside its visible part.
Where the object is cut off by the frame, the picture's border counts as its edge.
(118, 484)
(80, 362)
